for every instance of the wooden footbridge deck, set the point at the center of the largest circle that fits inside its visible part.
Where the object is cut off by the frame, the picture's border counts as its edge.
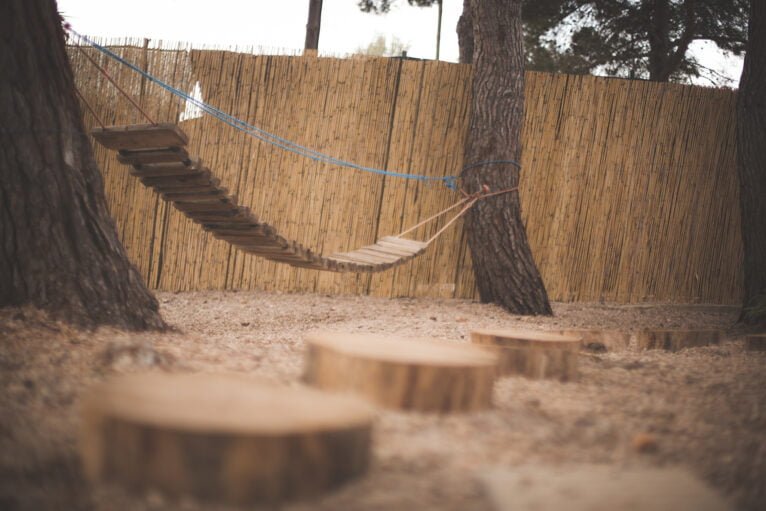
(157, 155)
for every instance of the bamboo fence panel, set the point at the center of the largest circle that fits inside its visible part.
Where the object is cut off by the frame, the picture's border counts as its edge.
(628, 188)
(139, 214)
(430, 94)
(646, 203)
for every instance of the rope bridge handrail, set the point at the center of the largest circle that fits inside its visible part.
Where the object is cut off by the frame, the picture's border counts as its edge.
(256, 132)
(158, 158)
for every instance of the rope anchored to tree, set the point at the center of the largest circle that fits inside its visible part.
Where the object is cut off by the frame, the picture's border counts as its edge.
(254, 131)
(156, 153)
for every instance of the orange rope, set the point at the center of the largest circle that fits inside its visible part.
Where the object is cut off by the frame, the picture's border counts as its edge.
(437, 215)
(468, 200)
(108, 77)
(461, 213)
(90, 109)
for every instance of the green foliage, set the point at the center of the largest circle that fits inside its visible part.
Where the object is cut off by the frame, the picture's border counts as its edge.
(382, 47)
(383, 6)
(630, 38)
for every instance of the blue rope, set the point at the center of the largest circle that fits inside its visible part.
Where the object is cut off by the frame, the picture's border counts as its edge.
(260, 134)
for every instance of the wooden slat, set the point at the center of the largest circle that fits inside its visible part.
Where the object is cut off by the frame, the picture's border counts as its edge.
(210, 187)
(403, 242)
(199, 177)
(140, 136)
(216, 193)
(164, 155)
(389, 250)
(188, 168)
(380, 255)
(610, 168)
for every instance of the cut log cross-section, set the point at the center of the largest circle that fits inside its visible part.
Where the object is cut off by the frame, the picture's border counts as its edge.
(676, 339)
(223, 437)
(158, 158)
(408, 374)
(532, 354)
(595, 339)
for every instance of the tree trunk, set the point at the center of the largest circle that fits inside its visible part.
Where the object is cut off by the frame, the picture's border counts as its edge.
(659, 38)
(439, 28)
(60, 250)
(505, 271)
(465, 34)
(751, 164)
(313, 25)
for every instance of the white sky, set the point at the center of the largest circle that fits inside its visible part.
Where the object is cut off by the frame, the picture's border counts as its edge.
(278, 24)
(281, 24)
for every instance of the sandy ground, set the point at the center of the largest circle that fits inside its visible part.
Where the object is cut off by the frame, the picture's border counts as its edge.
(702, 409)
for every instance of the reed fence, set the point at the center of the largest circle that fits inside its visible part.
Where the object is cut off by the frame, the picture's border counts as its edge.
(629, 190)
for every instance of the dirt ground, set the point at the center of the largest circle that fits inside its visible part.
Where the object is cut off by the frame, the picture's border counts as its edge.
(703, 409)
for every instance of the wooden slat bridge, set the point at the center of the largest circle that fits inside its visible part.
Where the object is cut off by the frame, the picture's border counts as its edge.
(158, 158)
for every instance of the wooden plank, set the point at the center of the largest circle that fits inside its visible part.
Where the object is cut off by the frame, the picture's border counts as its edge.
(210, 187)
(234, 216)
(377, 254)
(205, 207)
(389, 250)
(403, 242)
(140, 136)
(224, 227)
(215, 193)
(189, 168)
(164, 155)
(254, 240)
(199, 178)
(361, 259)
(408, 250)
(254, 232)
(319, 266)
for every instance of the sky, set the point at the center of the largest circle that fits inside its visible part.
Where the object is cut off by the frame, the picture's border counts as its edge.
(280, 26)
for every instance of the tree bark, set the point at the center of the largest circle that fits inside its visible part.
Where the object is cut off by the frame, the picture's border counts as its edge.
(313, 25)
(60, 251)
(751, 164)
(505, 270)
(465, 34)
(664, 60)
(439, 28)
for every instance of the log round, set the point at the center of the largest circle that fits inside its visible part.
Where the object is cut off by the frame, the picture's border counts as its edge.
(229, 437)
(676, 339)
(755, 342)
(409, 374)
(531, 353)
(595, 339)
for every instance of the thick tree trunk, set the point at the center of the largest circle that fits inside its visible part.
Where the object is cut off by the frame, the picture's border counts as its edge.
(439, 28)
(665, 56)
(465, 34)
(659, 39)
(60, 250)
(313, 25)
(505, 271)
(751, 164)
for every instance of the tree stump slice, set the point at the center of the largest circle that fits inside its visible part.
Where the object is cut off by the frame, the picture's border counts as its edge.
(531, 353)
(225, 437)
(676, 339)
(409, 374)
(594, 339)
(755, 342)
